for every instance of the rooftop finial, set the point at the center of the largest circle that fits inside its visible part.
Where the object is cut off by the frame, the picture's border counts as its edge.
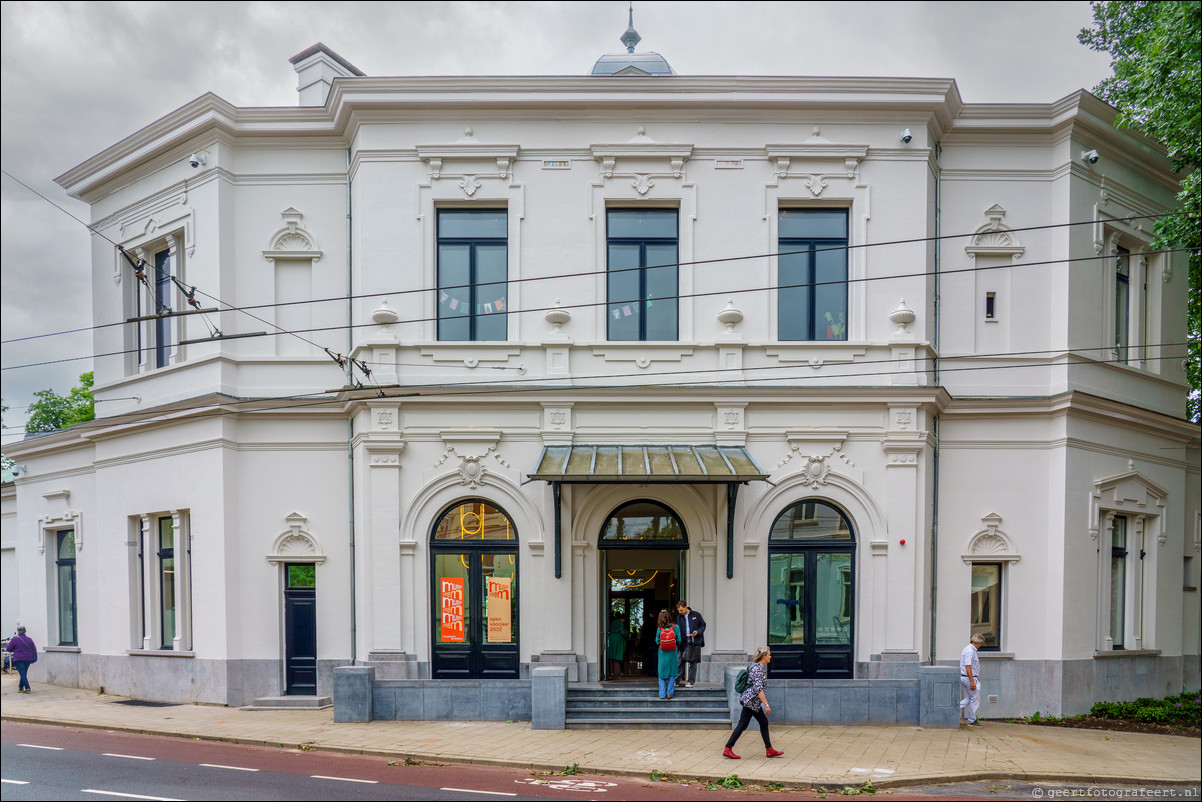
(631, 37)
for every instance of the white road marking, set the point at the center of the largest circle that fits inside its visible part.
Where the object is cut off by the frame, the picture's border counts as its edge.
(474, 791)
(39, 746)
(569, 784)
(343, 779)
(130, 796)
(15, 782)
(128, 757)
(231, 768)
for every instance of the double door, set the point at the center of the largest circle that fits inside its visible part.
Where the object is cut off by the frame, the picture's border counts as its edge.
(474, 626)
(811, 593)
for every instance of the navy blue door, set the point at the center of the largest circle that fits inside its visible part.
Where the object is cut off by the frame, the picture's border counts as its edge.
(300, 631)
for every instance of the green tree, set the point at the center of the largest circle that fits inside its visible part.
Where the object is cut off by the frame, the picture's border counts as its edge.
(6, 464)
(52, 411)
(1156, 55)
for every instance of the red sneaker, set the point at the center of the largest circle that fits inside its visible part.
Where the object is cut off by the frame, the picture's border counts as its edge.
(770, 752)
(730, 753)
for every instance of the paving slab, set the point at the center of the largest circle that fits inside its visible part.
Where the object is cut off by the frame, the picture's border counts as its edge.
(888, 755)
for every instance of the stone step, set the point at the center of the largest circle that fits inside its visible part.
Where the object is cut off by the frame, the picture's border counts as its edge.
(648, 704)
(290, 703)
(644, 712)
(602, 723)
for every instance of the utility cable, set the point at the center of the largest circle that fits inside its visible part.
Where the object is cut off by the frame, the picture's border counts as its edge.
(729, 292)
(492, 387)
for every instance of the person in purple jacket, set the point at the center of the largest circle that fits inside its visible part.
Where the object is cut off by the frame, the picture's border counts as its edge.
(24, 652)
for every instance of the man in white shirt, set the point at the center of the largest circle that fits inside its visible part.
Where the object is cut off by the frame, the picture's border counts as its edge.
(970, 678)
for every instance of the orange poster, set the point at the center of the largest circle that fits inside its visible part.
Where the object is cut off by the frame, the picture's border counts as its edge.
(500, 610)
(452, 610)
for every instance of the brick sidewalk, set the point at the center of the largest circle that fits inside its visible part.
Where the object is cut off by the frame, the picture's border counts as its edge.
(814, 756)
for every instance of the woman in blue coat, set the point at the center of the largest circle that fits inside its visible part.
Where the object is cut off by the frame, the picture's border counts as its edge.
(667, 634)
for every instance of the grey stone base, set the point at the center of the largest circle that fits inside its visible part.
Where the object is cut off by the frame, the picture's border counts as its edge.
(395, 665)
(931, 699)
(449, 700)
(577, 669)
(889, 665)
(1014, 688)
(172, 677)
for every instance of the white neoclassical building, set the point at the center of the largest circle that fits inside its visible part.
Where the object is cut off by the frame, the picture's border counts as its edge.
(484, 371)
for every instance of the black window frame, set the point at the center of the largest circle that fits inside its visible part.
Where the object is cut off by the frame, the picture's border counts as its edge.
(812, 659)
(643, 303)
(998, 605)
(162, 554)
(60, 563)
(795, 246)
(1119, 553)
(680, 544)
(477, 659)
(472, 286)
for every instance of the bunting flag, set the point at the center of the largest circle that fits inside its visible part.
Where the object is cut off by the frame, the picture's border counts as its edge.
(464, 308)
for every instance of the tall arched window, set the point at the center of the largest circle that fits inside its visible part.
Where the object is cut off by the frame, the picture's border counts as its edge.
(811, 591)
(474, 593)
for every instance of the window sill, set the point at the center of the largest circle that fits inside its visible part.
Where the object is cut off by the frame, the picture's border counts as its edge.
(994, 655)
(1126, 653)
(62, 649)
(158, 653)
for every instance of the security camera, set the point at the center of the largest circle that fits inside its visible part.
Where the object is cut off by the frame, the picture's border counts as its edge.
(196, 159)
(906, 136)
(1090, 156)
(17, 470)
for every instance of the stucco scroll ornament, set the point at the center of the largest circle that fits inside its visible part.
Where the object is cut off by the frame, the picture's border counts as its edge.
(471, 471)
(469, 184)
(815, 472)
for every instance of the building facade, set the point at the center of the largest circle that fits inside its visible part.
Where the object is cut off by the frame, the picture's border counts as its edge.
(494, 369)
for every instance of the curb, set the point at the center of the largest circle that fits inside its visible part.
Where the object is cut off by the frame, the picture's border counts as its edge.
(814, 784)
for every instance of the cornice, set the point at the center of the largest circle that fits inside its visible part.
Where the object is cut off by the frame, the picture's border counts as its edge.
(1079, 404)
(421, 97)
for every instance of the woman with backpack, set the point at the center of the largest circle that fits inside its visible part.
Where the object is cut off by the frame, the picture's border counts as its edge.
(754, 704)
(667, 636)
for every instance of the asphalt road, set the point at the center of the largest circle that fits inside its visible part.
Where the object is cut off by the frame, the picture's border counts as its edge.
(41, 762)
(51, 763)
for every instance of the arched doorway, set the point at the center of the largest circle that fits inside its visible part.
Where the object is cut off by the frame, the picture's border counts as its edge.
(811, 592)
(643, 545)
(474, 593)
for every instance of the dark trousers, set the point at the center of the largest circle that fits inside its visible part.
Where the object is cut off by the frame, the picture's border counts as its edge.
(744, 720)
(22, 671)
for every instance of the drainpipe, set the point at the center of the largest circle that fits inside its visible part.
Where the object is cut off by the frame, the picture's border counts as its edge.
(350, 423)
(935, 420)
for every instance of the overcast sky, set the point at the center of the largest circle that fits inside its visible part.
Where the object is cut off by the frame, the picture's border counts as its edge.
(78, 77)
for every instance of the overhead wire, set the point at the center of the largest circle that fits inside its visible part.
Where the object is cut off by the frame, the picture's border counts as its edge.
(710, 293)
(539, 384)
(583, 274)
(139, 272)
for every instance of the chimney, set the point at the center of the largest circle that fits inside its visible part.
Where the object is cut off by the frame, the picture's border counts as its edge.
(316, 68)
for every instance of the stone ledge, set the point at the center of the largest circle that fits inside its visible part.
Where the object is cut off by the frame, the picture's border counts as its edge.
(158, 653)
(1126, 653)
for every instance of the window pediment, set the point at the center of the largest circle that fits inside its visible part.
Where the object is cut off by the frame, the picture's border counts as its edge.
(297, 544)
(990, 543)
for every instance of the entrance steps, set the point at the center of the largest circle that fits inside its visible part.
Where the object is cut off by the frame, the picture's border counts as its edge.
(629, 705)
(290, 703)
